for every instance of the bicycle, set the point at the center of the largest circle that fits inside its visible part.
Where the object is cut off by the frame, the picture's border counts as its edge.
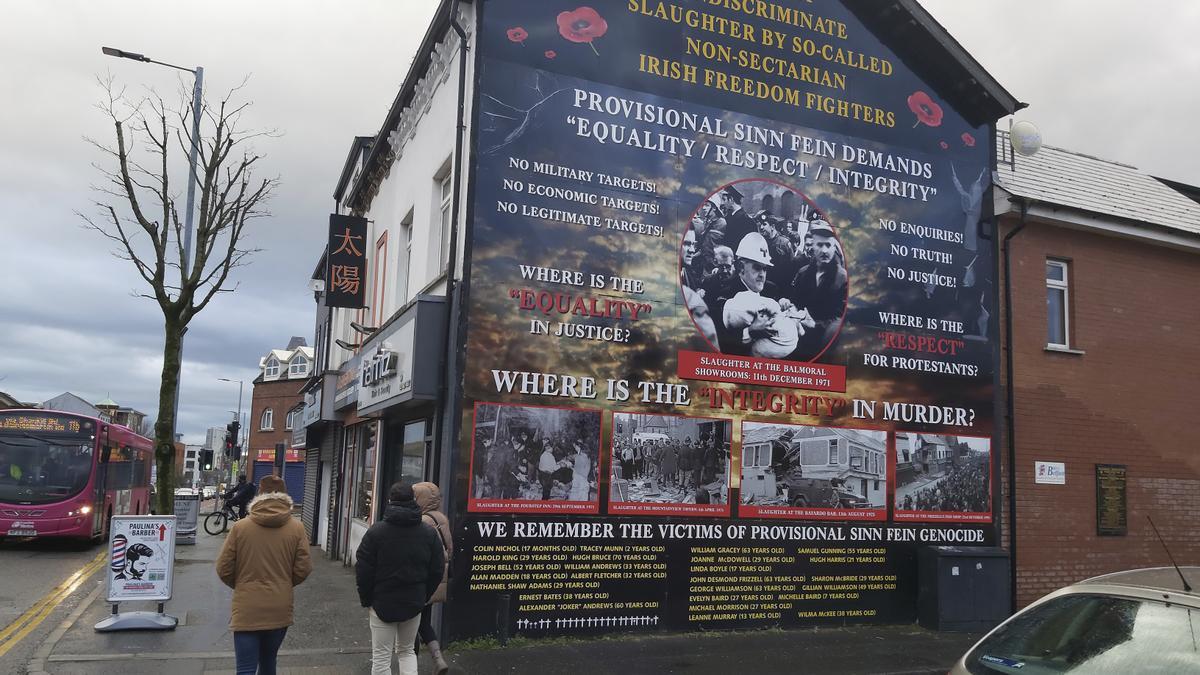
(218, 521)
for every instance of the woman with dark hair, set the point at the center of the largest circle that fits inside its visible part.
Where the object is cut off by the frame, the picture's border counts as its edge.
(399, 565)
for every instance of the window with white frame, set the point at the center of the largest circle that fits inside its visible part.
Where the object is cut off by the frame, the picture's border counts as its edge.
(290, 420)
(445, 193)
(406, 238)
(1058, 298)
(267, 423)
(757, 456)
(833, 451)
(298, 367)
(272, 367)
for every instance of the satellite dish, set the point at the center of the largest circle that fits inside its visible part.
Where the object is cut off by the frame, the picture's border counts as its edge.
(1025, 138)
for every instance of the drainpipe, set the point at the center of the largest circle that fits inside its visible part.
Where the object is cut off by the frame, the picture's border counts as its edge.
(455, 210)
(1010, 420)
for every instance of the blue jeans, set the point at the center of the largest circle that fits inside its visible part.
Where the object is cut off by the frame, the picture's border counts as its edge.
(256, 650)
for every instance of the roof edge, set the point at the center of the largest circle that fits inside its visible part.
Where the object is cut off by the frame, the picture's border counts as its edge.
(417, 69)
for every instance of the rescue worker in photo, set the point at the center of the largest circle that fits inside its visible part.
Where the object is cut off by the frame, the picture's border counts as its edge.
(821, 288)
(700, 315)
(690, 274)
(709, 226)
(753, 263)
(737, 222)
(719, 275)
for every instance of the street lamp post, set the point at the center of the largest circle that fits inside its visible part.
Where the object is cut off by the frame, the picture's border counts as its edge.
(197, 89)
(237, 441)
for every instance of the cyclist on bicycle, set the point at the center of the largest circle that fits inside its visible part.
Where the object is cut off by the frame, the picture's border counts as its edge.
(240, 495)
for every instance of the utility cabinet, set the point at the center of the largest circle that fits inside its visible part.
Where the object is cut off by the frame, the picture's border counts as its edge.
(962, 588)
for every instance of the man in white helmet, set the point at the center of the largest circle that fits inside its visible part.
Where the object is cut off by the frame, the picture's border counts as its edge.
(753, 264)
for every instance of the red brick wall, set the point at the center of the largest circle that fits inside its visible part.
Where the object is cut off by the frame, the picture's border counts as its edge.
(280, 396)
(1131, 399)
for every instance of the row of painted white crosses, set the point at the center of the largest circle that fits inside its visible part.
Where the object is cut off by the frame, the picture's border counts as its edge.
(587, 622)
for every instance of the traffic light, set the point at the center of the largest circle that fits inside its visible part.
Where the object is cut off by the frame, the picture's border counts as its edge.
(230, 438)
(206, 459)
(236, 441)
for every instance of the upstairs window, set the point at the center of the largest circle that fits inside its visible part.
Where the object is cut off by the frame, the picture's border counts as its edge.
(298, 367)
(272, 367)
(267, 423)
(1058, 315)
(445, 194)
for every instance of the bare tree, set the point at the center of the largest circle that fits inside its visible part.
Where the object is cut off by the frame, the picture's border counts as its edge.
(139, 214)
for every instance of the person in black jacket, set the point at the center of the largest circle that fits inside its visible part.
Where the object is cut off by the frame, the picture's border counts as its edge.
(399, 565)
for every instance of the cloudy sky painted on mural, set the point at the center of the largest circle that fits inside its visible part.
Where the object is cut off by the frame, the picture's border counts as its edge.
(1100, 79)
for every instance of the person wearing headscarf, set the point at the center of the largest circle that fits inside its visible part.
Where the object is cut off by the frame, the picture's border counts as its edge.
(429, 497)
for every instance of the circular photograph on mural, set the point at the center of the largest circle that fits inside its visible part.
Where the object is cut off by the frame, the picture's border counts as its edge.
(763, 272)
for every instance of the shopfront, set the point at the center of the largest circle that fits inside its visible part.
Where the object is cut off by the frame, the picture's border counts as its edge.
(398, 389)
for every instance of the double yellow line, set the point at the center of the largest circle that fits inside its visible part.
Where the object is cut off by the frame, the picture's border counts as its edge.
(33, 617)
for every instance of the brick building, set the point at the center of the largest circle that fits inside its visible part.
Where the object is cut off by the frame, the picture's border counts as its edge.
(1103, 271)
(274, 402)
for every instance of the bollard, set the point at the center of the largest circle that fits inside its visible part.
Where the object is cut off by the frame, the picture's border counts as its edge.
(502, 618)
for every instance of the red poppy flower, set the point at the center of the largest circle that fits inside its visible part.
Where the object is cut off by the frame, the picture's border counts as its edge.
(926, 110)
(968, 140)
(582, 25)
(550, 53)
(518, 35)
(945, 145)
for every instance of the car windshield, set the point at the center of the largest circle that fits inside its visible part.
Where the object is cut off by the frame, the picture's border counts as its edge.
(39, 469)
(1093, 634)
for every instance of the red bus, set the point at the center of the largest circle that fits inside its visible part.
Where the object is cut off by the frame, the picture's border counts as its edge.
(66, 475)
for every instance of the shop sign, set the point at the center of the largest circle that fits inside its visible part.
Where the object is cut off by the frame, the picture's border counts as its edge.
(346, 264)
(347, 384)
(386, 372)
(299, 436)
(141, 558)
(268, 455)
(312, 407)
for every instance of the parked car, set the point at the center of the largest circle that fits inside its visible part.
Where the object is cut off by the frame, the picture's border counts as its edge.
(1138, 621)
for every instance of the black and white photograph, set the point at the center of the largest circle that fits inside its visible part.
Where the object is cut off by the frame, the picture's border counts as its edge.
(534, 454)
(808, 467)
(763, 272)
(943, 474)
(669, 460)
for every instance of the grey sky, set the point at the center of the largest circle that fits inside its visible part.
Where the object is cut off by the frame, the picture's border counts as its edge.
(1102, 77)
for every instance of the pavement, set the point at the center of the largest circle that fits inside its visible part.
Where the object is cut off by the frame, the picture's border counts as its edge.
(330, 636)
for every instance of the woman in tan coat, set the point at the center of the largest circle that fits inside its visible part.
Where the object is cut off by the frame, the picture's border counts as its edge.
(264, 557)
(429, 498)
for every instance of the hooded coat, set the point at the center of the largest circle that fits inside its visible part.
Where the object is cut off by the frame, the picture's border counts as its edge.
(429, 497)
(399, 563)
(263, 558)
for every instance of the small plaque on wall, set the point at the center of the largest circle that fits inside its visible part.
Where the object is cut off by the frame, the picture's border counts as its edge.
(1110, 500)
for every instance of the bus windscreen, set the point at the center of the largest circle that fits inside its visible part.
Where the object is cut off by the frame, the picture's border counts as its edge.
(44, 458)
